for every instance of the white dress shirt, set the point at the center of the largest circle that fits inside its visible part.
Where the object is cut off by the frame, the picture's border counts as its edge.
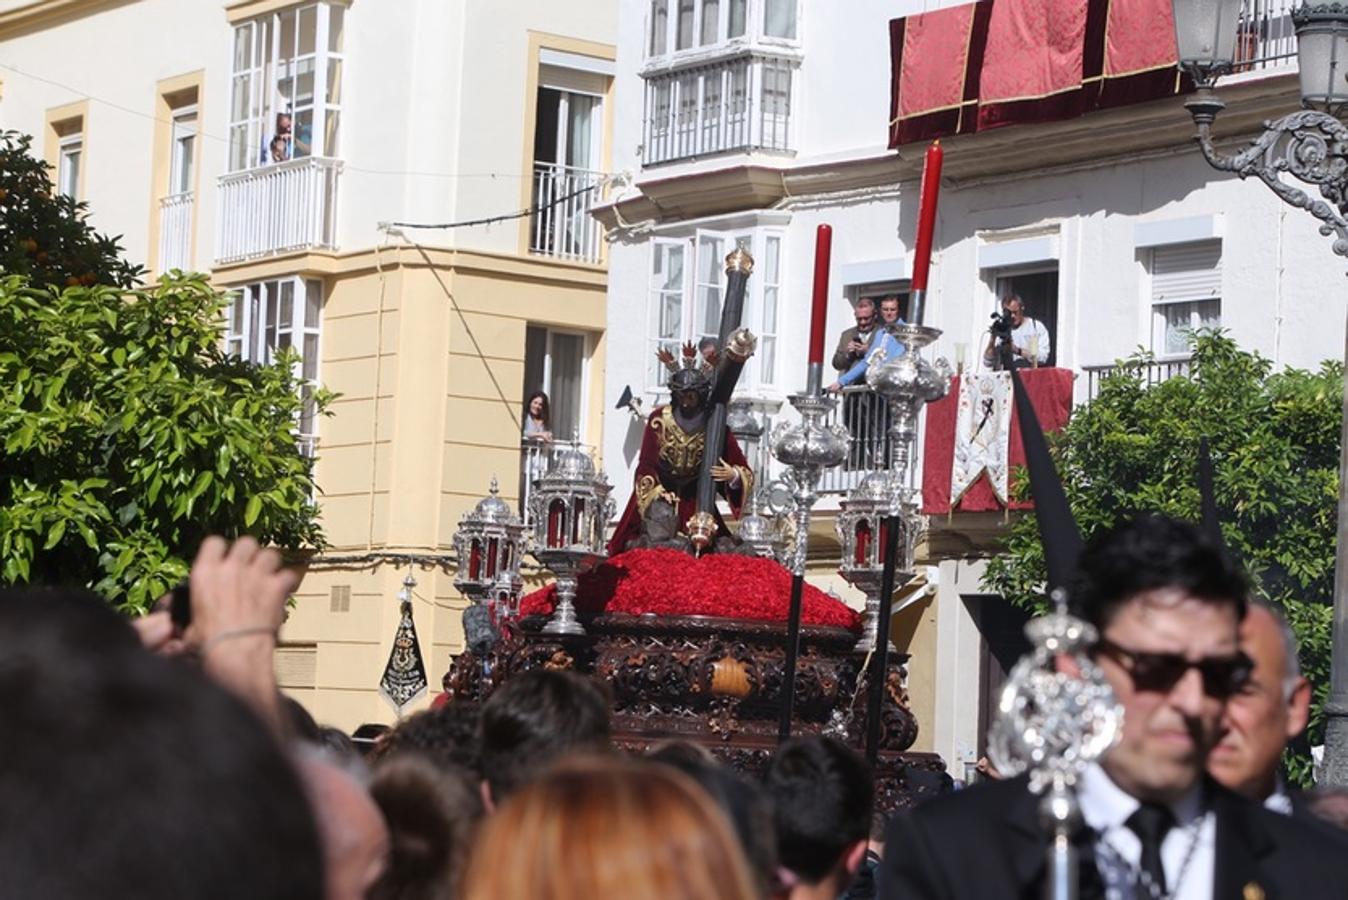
(1106, 807)
(1279, 801)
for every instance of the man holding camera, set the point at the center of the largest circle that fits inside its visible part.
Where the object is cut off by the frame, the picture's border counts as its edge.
(1015, 339)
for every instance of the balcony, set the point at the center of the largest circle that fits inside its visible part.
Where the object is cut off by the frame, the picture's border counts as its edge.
(563, 227)
(175, 232)
(278, 209)
(731, 105)
(1148, 373)
(1265, 38)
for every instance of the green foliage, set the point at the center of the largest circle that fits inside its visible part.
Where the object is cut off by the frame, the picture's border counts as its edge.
(1274, 440)
(43, 234)
(128, 436)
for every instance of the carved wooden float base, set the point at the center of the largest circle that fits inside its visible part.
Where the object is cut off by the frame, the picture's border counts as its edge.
(718, 683)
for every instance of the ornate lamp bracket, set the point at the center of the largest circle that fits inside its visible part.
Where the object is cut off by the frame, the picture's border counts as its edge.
(1309, 145)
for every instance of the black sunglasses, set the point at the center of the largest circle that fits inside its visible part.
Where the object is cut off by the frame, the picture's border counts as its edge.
(1222, 675)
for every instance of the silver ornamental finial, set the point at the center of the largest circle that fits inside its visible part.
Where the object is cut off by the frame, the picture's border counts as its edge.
(1051, 723)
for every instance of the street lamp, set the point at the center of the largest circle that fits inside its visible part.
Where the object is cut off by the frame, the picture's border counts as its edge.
(1311, 145)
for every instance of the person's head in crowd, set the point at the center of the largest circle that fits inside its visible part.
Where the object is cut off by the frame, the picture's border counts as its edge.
(864, 884)
(1329, 805)
(744, 803)
(889, 309)
(608, 827)
(1167, 604)
(1268, 711)
(533, 719)
(865, 314)
(447, 735)
(340, 747)
(822, 794)
(124, 774)
(538, 408)
(1015, 306)
(299, 722)
(431, 809)
(355, 838)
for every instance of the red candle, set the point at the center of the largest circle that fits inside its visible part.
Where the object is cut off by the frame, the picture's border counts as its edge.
(823, 248)
(926, 225)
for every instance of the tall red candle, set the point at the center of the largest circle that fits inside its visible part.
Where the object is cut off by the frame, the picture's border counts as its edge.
(926, 226)
(823, 249)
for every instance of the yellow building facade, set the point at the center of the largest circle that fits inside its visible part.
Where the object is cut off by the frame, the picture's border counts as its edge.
(289, 149)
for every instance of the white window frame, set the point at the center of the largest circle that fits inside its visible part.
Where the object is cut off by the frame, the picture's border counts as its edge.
(70, 147)
(248, 336)
(258, 70)
(1204, 290)
(587, 350)
(183, 150)
(753, 29)
(695, 249)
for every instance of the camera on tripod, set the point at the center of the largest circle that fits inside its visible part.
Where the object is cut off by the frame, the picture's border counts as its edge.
(1001, 325)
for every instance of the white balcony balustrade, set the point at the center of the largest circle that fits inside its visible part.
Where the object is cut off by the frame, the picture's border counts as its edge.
(563, 227)
(278, 209)
(731, 105)
(175, 232)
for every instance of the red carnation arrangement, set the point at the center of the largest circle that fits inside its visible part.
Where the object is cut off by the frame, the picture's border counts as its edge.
(672, 583)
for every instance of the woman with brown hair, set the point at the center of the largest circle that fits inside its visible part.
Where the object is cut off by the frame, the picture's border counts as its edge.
(608, 827)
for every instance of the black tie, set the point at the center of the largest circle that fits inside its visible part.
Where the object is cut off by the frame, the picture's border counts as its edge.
(1150, 823)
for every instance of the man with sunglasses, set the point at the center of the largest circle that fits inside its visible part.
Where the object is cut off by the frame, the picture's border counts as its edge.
(1167, 605)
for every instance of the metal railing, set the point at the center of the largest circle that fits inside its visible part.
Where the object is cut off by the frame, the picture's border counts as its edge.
(1265, 37)
(563, 226)
(737, 104)
(278, 208)
(535, 458)
(1149, 373)
(865, 415)
(175, 232)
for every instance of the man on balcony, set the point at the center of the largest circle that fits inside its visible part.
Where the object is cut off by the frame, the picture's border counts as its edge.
(852, 345)
(1023, 341)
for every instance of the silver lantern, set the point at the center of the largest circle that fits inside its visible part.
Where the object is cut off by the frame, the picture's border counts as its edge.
(570, 509)
(861, 532)
(489, 543)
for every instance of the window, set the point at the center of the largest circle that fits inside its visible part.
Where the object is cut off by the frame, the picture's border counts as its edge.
(767, 322)
(182, 160)
(285, 87)
(1039, 292)
(1186, 287)
(735, 104)
(554, 363)
(674, 322)
(690, 24)
(659, 27)
(69, 155)
(269, 316)
(666, 329)
(779, 19)
(568, 142)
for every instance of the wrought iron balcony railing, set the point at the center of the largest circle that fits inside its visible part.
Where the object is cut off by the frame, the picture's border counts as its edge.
(1265, 37)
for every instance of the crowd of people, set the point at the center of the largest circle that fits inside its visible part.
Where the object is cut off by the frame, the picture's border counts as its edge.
(144, 759)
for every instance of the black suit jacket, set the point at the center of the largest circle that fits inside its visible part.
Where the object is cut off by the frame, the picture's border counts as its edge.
(985, 842)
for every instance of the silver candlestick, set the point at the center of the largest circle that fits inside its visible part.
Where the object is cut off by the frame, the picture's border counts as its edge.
(806, 449)
(1054, 720)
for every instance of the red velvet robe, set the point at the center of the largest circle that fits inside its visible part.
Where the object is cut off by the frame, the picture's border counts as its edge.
(668, 465)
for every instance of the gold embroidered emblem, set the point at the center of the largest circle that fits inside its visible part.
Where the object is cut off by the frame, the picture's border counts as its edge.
(680, 451)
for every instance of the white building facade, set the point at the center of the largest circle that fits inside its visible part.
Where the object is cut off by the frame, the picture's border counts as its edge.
(754, 121)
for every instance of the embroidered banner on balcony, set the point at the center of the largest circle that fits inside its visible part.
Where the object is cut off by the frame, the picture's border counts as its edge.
(1003, 62)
